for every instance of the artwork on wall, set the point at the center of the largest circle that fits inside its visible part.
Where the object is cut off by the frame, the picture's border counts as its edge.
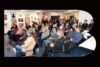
(27, 20)
(20, 20)
(13, 15)
(13, 19)
(5, 17)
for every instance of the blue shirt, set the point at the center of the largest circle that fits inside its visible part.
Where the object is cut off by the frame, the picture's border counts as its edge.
(54, 35)
(76, 37)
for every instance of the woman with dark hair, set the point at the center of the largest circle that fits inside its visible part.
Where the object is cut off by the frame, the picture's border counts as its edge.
(11, 33)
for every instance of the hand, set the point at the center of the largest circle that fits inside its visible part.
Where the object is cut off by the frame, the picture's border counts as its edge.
(52, 45)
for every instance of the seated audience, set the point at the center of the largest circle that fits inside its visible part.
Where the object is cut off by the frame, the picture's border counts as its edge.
(53, 33)
(19, 32)
(48, 34)
(75, 38)
(60, 39)
(52, 37)
(28, 45)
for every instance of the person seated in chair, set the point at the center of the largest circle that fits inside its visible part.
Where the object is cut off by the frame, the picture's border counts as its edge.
(27, 47)
(45, 34)
(49, 48)
(12, 31)
(56, 43)
(19, 32)
(24, 36)
(52, 37)
(75, 38)
(14, 28)
(60, 39)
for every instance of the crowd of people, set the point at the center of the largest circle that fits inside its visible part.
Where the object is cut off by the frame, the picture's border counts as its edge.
(47, 34)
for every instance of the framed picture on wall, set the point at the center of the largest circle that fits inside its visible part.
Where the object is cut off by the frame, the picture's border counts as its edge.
(5, 17)
(20, 20)
(27, 20)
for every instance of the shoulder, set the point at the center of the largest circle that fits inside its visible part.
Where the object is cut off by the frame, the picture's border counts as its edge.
(30, 38)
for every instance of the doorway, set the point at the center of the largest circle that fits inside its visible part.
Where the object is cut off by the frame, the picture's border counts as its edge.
(55, 17)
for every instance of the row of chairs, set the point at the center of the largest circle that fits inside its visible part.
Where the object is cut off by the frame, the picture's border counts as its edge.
(62, 48)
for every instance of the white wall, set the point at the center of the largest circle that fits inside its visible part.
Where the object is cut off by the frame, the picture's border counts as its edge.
(84, 15)
(22, 13)
(8, 21)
